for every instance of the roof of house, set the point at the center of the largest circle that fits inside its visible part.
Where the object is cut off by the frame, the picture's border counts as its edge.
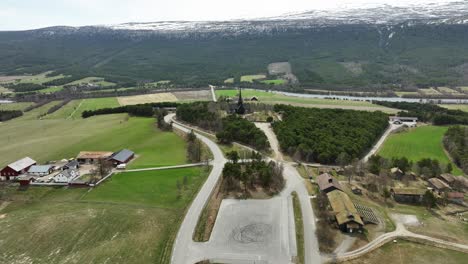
(326, 181)
(72, 163)
(396, 170)
(40, 169)
(70, 173)
(455, 195)
(408, 191)
(94, 154)
(462, 180)
(447, 177)
(343, 208)
(22, 164)
(438, 184)
(25, 178)
(123, 155)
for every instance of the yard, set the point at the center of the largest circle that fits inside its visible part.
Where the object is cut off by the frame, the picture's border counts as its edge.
(275, 98)
(132, 218)
(55, 139)
(416, 144)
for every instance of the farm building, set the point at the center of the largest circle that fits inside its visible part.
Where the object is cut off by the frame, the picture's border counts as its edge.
(25, 180)
(346, 214)
(74, 165)
(461, 182)
(447, 178)
(397, 173)
(88, 157)
(407, 195)
(327, 183)
(66, 176)
(40, 170)
(17, 168)
(401, 119)
(122, 157)
(455, 197)
(438, 185)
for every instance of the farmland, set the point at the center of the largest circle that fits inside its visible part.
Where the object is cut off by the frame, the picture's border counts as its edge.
(65, 138)
(95, 80)
(251, 78)
(14, 106)
(113, 224)
(406, 252)
(274, 98)
(147, 98)
(463, 107)
(274, 82)
(418, 143)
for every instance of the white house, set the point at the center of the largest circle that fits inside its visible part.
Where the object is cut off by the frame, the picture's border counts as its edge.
(66, 176)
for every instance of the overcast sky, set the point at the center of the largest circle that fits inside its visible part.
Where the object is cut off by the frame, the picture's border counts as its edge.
(30, 14)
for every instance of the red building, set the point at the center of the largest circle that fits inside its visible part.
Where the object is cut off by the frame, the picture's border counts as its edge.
(17, 168)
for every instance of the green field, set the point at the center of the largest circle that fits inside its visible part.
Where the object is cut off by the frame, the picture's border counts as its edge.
(131, 218)
(251, 78)
(463, 107)
(418, 143)
(229, 80)
(274, 82)
(41, 78)
(274, 98)
(55, 139)
(73, 109)
(95, 80)
(404, 252)
(15, 106)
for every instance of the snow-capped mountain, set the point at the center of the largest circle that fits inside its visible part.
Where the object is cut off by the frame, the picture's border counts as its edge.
(445, 13)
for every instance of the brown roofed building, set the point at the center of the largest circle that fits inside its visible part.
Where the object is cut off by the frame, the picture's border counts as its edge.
(407, 195)
(92, 156)
(448, 178)
(345, 212)
(327, 183)
(439, 185)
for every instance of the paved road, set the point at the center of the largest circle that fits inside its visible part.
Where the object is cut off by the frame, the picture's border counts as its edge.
(382, 139)
(295, 183)
(181, 253)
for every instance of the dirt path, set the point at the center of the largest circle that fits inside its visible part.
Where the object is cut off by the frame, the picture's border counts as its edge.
(274, 144)
(76, 109)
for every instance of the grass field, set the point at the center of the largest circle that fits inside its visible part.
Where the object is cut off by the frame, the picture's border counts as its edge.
(463, 107)
(400, 94)
(449, 91)
(251, 78)
(404, 252)
(35, 113)
(274, 98)
(41, 78)
(95, 80)
(15, 106)
(418, 143)
(132, 218)
(55, 139)
(73, 109)
(274, 82)
(147, 98)
(229, 80)
(429, 91)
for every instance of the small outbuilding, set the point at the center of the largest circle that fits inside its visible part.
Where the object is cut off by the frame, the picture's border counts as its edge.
(25, 180)
(17, 168)
(74, 165)
(122, 157)
(447, 178)
(40, 170)
(327, 183)
(407, 195)
(456, 197)
(346, 214)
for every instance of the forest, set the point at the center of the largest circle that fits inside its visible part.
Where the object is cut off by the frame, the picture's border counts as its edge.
(419, 56)
(145, 110)
(435, 114)
(456, 143)
(328, 136)
(208, 115)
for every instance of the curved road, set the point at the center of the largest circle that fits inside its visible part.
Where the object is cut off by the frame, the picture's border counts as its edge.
(183, 243)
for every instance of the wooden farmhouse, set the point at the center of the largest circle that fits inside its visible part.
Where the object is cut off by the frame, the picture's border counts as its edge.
(346, 214)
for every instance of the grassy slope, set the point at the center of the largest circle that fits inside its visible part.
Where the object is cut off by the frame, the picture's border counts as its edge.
(406, 252)
(14, 106)
(266, 97)
(419, 143)
(45, 140)
(463, 107)
(74, 226)
(74, 109)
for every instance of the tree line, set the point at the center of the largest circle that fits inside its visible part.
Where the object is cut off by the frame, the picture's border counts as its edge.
(429, 113)
(321, 135)
(6, 115)
(456, 143)
(144, 110)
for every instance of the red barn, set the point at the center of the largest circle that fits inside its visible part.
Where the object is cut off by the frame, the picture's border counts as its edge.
(17, 168)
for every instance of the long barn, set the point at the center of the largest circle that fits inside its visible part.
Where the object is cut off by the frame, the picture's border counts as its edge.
(17, 168)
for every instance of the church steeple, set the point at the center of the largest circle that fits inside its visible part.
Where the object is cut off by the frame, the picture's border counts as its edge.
(240, 104)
